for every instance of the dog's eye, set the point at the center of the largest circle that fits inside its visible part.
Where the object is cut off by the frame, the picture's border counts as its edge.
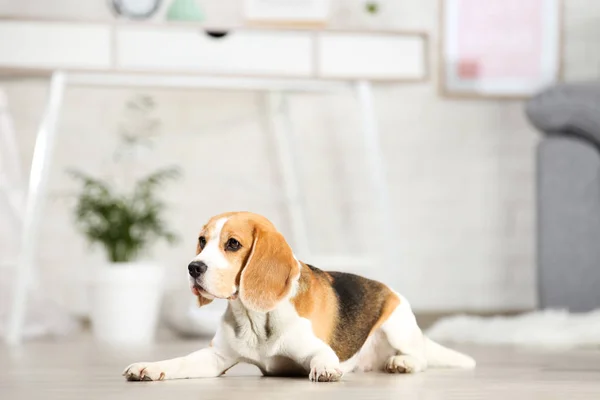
(232, 245)
(202, 242)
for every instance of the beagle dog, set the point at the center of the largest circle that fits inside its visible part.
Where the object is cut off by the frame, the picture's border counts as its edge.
(289, 318)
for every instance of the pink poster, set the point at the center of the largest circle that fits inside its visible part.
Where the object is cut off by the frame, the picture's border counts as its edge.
(491, 42)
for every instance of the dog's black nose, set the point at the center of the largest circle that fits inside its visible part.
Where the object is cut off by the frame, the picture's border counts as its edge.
(197, 268)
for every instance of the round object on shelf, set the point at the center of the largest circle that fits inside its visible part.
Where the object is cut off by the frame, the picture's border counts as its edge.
(185, 10)
(135, 9)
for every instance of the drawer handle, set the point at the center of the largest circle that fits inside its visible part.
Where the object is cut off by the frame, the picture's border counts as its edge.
(216, 34)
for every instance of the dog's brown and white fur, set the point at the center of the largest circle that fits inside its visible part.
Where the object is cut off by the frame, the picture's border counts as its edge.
(288, 318)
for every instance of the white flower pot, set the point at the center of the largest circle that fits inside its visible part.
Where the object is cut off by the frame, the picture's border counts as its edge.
(125, 302)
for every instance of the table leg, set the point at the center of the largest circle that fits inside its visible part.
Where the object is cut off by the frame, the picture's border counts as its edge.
(287, 153)
(376, 167)
(36, 196)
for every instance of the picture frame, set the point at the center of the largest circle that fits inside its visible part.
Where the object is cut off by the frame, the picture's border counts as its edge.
(499, 48)
(287, 12)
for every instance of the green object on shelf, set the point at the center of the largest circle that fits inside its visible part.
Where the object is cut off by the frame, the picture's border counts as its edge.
(372, 7)
(185, 10)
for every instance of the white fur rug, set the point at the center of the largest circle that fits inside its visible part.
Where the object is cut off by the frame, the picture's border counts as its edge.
(550, 329)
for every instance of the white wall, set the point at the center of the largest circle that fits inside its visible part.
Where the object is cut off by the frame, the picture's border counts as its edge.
(461, 171)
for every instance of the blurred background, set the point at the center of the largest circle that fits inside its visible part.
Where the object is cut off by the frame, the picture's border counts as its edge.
(434, 96)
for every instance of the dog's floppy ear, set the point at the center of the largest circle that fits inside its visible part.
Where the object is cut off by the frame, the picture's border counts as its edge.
(267, 276)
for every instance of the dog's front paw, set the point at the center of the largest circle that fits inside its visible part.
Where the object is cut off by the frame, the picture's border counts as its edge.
(144, 372)
(324, 373)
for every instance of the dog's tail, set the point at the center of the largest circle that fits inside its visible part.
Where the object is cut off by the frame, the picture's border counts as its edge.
(443, 357)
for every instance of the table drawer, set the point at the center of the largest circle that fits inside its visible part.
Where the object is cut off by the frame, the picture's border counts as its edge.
(54, 45)
(375, 56)
(239, 52)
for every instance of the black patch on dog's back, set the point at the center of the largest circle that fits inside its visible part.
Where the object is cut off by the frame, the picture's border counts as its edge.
(360, 305)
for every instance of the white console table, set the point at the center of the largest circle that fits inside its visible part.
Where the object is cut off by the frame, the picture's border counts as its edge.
(275, 61)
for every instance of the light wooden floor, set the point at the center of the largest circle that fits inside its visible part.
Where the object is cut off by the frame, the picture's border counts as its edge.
(82, 370)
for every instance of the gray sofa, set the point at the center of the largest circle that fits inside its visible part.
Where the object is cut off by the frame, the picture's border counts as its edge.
(568, 193)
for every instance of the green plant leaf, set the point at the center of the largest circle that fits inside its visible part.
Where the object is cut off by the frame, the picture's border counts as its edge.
(124, 225)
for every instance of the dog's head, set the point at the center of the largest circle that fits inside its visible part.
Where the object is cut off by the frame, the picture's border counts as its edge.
(242, 253)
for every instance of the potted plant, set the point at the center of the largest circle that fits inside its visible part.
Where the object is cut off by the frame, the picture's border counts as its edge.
(126, 292)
